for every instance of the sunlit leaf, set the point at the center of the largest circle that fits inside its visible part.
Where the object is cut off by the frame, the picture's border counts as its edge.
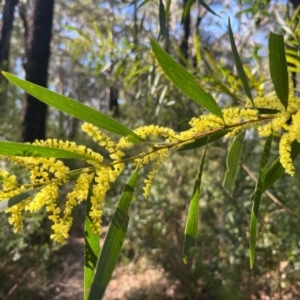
(278, 67)
(191, 226)
(7, 203)
(91, 247)
(239, 65)
(185, 81)
(256, 196)
(232, 162)
(113, 241)
(72, 107)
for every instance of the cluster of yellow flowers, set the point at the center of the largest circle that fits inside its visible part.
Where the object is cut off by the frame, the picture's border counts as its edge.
(50, 174)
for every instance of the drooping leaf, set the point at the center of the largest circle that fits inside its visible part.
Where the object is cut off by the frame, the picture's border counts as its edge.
(91, 246)
(232, 162)
(113, 241)
(19, 149)
(239, 65)
(72, 107)
(276, 170)
(7, 203)
(256, 196)
(191, 226)
(202, 141)
(278, 68)
(185, 81)
(202, 3)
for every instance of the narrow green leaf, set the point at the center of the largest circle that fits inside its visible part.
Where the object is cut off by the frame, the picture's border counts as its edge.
(91, 246)
(232, 162)
(191, 226)
(72, 107)
(202, 3)
(185, 81)
(186, 10)
(113, 241)
(239, 65)
(202, 141)
(7, 203)
(278, 68)
(276, 170)
(19, 149)
(162, 19)
(256, 196)
(267, 111)
(168, 6)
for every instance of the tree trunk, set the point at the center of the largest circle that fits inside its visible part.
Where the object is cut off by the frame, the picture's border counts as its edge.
(6, 29)
(38, 40)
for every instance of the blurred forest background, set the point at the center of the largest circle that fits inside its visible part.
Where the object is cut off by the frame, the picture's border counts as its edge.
(100, 55)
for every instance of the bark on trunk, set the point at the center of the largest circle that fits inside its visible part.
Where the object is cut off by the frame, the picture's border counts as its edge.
(6, 29)
(38, 40)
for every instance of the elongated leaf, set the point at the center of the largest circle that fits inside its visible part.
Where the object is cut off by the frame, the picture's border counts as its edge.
(191, 226)
(113, 241)
(239, 65)
(168, 6)
(185, 81)
(256, 196)
(267, 111)
(278, 67)
(186, 10)
(72, 107)
(202, 141)
(232, 162)
(202, 3)
(7, 203)
(162, 19)
(91, 247)
(19, 149)
(276, 170)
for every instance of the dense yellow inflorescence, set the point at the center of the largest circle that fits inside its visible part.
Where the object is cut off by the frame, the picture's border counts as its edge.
(50, 174)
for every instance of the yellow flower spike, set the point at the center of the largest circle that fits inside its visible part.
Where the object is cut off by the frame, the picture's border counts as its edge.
(285, 147)
(71, 146)
(40, 199)
(105, 175)
(101, 138)
(16, 217)
(161, 154)
(78, 194)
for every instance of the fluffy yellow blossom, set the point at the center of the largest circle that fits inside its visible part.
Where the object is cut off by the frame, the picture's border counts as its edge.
(49, 174)
(161, 154)
(104, 176)
(285, 147)
(73, 147)
(16, 217)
